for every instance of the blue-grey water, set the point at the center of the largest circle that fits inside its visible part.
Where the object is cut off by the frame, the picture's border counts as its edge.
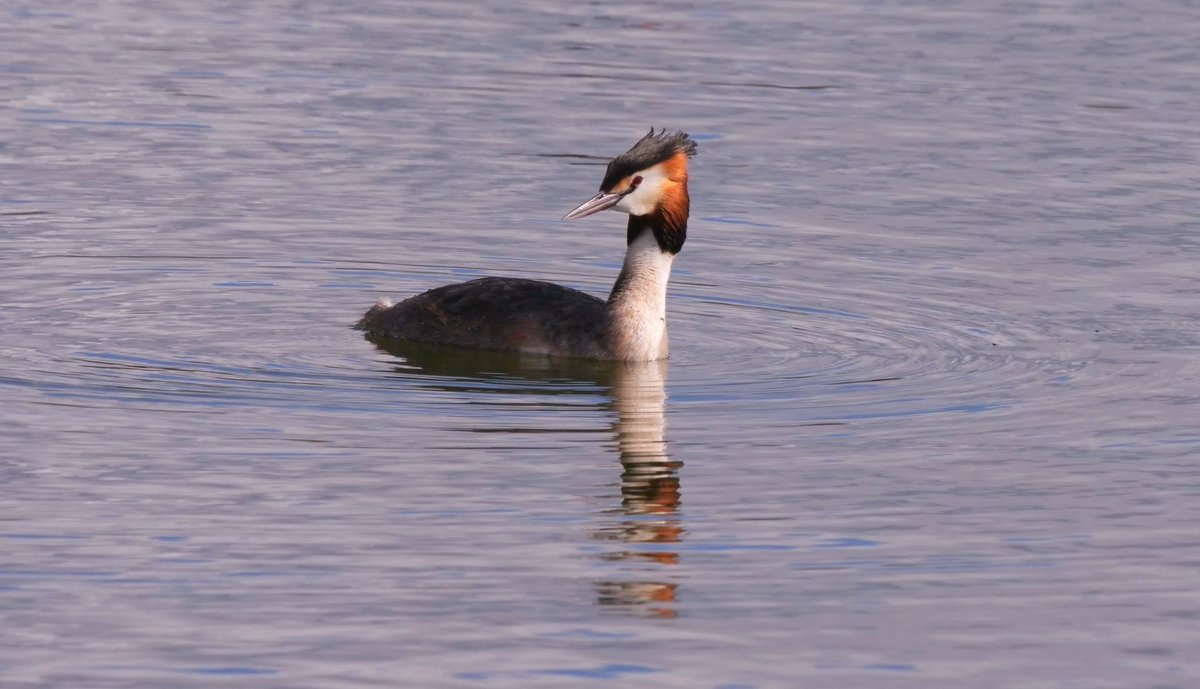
(930, 418)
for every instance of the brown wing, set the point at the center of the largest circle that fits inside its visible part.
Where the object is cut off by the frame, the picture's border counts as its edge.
(498, 313)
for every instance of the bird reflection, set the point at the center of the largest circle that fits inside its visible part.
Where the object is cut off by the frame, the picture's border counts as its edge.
(649, 519)
(646, 525)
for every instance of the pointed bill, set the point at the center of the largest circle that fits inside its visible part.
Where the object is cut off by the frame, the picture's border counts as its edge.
(599, 202)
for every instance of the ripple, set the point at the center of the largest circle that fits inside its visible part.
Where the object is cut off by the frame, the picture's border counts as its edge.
(863, 353)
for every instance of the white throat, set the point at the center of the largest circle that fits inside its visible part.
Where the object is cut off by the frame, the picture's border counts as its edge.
(638, 304)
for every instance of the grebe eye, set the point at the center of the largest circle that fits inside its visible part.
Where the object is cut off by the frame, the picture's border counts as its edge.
(636, 181)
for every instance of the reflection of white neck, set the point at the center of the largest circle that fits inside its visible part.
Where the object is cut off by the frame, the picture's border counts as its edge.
(639, 394)
(638, 303)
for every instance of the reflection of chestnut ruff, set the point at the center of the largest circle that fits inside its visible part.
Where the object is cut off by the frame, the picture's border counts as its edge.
(649, 490)
(652, 597)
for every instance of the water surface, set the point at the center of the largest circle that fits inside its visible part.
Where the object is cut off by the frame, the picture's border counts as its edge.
(929, 418)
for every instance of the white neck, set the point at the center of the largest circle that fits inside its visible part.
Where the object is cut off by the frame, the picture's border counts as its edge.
(638, 304)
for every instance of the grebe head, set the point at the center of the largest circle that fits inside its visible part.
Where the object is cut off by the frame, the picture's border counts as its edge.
(647, 178)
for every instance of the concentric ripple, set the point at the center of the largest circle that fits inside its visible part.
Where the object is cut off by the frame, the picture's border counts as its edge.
(854, 354)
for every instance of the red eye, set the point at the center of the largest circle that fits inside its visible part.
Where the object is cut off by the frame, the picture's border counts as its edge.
(636, 181)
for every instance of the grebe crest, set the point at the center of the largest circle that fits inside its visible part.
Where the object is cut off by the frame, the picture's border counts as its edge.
(649, 183)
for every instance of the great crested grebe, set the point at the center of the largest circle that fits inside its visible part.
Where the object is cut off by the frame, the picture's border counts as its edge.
(649, 182)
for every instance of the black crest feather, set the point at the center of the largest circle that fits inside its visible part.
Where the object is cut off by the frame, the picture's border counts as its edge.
(649, 151)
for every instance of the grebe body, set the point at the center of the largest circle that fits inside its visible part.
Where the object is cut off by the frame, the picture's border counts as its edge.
(649, 183)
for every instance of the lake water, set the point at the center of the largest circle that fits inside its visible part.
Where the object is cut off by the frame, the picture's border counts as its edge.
(930, 418)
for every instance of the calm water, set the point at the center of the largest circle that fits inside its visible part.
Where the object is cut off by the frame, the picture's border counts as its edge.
(929, 420)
